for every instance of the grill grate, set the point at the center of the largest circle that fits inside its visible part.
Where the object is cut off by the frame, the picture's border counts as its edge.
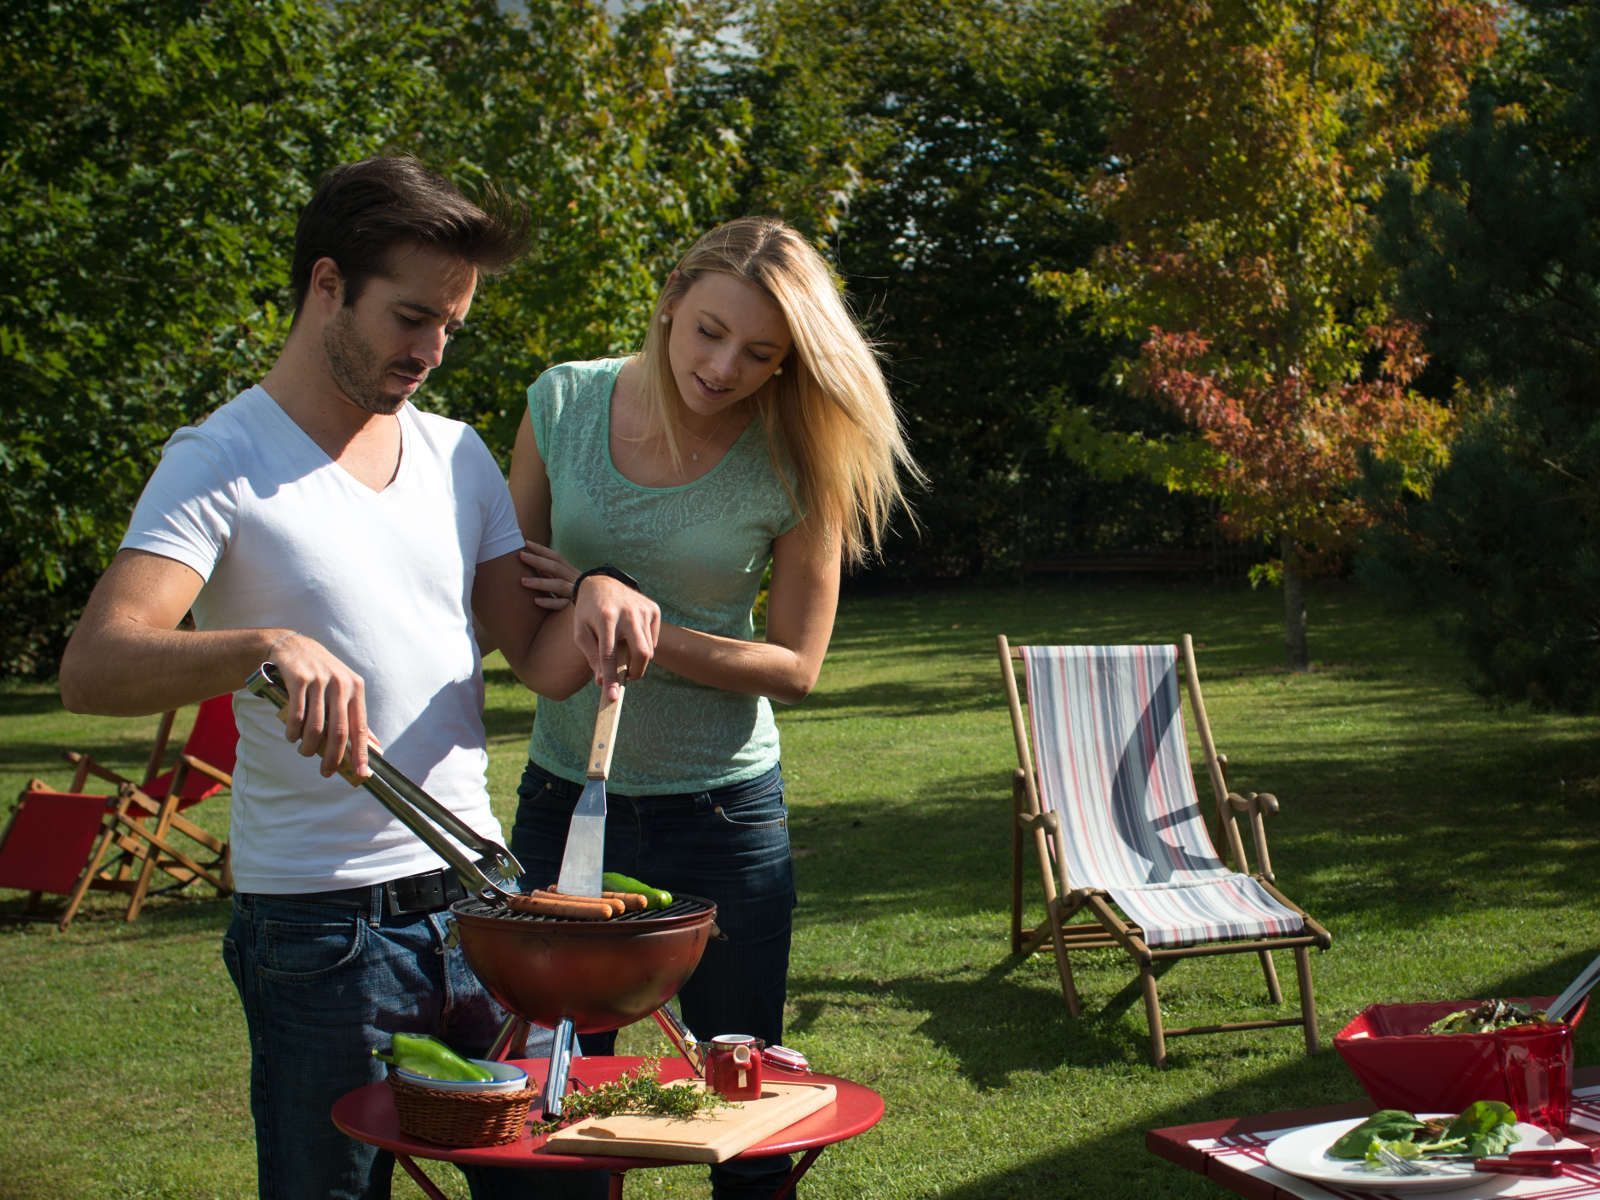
(681, 906)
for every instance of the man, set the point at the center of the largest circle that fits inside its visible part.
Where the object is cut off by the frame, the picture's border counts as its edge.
(321, 522)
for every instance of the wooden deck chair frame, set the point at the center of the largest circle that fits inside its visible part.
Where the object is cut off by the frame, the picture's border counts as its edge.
(1066, 898)
(128, 844)
(187, 762)
(138, 839)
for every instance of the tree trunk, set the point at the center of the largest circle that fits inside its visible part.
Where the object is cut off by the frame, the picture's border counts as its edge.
(1294, 604)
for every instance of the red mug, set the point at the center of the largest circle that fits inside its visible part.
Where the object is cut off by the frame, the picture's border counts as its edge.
(733, 1066)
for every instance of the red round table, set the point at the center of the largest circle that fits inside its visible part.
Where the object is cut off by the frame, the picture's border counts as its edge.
(368, 1115)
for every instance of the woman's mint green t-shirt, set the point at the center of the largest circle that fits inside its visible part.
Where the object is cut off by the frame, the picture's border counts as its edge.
(699, 551)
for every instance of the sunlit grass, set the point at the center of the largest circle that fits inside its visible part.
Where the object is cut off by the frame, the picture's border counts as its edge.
(1447, 844)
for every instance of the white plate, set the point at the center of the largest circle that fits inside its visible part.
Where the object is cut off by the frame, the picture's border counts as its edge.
(1304, 1152)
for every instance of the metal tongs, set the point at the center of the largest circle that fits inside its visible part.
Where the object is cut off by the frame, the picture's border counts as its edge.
(493, 877)
(425, 817)
(1564, 1005)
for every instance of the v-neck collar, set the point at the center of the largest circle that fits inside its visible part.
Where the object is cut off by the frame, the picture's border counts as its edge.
(401, 421)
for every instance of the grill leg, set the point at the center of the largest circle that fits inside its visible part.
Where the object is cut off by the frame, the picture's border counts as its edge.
(511, 1039)
(555, 1082)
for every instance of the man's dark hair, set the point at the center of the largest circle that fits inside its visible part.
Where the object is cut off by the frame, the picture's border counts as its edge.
(363, 210)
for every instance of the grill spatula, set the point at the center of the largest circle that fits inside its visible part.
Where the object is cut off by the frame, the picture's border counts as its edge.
(582, 862)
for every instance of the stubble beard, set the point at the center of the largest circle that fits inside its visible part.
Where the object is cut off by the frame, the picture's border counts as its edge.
(355, 369)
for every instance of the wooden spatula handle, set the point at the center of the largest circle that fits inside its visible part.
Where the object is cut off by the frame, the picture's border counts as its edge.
(605, 731)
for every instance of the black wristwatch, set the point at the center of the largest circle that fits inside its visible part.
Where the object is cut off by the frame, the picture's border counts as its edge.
(608, 570)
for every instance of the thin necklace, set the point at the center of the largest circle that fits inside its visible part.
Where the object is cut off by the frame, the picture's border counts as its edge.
(703, 438)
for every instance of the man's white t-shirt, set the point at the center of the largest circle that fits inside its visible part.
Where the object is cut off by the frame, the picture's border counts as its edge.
(284, 537)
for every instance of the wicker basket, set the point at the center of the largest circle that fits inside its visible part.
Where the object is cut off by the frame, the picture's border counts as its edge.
(453, 1118)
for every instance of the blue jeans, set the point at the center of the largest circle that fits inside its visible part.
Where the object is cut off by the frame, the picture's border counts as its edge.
(730, 846)
(323, 985)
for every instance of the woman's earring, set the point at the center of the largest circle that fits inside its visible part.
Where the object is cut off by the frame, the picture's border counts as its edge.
(778, 370)
(666, 319)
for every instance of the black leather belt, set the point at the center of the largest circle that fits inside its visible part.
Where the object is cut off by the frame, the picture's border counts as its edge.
(427, 892)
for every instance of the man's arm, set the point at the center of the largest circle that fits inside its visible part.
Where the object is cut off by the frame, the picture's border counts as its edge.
(127, 658)
(555, 654)
(608, 610)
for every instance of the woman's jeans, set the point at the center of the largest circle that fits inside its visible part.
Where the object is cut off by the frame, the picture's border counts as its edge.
(323, 985)
(730, 846)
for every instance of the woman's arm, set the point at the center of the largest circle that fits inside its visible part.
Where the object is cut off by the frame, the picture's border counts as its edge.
(530, 484)
(802, 600)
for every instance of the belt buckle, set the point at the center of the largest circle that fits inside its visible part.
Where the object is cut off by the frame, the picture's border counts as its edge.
(415, 893)
(453, 889)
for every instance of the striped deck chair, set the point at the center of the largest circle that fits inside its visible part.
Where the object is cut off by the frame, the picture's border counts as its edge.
(1119, 833)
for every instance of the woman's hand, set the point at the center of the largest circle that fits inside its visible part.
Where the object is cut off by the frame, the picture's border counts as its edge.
(614, 622)
(609, 614)
(551, 576)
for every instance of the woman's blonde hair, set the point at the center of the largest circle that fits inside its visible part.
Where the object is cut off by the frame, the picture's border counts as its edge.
(829, 411)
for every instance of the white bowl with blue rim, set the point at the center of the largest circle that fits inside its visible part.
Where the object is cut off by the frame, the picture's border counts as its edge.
(508, 1077)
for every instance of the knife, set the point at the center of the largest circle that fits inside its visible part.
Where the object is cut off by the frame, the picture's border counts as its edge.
(1510, 1166)
(1555, 1154)
(583, 860)
(1539, 1163)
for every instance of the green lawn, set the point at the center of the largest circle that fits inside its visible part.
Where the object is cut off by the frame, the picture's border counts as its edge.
(1448, 845)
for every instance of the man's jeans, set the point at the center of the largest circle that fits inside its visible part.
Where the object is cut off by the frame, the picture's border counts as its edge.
(729, 846)
(322, 986)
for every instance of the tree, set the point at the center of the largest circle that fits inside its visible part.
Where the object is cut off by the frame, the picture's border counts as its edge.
(155, 158)
(1252, 139)
(1500, 254)
(954, 139)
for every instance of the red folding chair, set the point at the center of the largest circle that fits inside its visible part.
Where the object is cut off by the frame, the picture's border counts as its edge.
(151, 811)
(57, 842)
(204, 765)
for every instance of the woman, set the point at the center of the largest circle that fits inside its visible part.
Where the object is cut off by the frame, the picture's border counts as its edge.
(754, 428)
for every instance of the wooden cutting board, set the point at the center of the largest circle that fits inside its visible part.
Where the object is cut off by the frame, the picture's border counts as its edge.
(710, 1136)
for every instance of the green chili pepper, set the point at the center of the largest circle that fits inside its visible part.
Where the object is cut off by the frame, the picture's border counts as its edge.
(615, 881)
(424, 1054)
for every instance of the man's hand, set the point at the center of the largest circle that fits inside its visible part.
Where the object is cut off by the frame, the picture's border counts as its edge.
(327, 708)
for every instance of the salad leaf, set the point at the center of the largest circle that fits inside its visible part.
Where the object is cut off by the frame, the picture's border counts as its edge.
(1489, 1127)
(1489, 1016)
(1404, 1148)
(1388, 1125)
(1481, 1129)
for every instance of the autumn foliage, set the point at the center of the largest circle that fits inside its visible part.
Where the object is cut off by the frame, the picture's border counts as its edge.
(1253, 137)
(1287, 448)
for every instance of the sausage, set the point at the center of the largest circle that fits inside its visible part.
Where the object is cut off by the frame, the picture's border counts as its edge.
(611, 908)
(543, 904)
(631, 901)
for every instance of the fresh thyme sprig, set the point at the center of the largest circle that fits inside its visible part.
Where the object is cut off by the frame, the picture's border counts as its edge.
(636, 1091)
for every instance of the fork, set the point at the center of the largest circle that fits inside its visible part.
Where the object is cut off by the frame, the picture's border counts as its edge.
(1400, 1166)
